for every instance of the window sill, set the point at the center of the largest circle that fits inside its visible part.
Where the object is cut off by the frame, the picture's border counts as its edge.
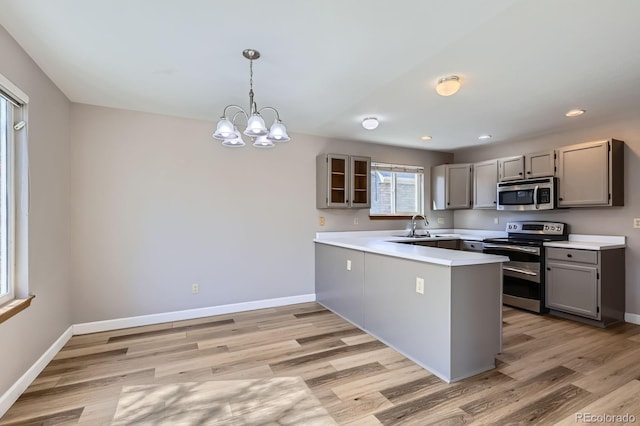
(13, 307)
(382, 217)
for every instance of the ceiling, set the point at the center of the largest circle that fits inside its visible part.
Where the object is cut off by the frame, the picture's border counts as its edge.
(327, 64)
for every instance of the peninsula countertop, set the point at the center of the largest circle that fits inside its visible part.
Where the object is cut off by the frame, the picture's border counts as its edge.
(388, 243)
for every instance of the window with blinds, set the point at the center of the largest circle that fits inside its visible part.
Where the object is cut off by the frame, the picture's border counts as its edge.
(396, 190)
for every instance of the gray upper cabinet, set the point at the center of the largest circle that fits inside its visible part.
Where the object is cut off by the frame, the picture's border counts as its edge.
(511, 168)
(451, 186)
(485, 178)
(591, 174)
(343, 181)
(540, 164)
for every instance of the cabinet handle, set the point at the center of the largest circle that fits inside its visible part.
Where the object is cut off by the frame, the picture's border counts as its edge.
(548, 269)
(529, 173)
(560, 198)
(520, 173)
(569, 255)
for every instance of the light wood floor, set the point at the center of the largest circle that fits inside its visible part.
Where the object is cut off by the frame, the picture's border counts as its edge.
(549, 371)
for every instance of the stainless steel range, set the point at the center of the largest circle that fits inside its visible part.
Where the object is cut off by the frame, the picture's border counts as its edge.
(523, 275)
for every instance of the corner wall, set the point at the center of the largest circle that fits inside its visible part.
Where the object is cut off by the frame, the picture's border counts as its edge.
(26, 336)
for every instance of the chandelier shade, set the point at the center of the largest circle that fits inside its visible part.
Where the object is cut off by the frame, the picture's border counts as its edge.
(278, 133)
(256, 128)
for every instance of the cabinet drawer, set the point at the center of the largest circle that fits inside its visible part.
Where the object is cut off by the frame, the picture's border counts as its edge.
(471, 245)
(573, 255)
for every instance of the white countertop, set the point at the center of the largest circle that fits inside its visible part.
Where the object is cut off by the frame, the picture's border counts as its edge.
(590, 242)
(385, 243)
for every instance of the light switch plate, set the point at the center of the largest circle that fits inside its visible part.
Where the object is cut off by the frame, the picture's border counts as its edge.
(636, 222)
(348, 265)
(419, 285)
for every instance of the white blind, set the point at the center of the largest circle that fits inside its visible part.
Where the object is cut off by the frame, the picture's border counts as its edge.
(396, 168)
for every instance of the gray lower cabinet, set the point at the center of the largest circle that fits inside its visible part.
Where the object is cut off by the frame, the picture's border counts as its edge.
(586, 284)
(340, 281)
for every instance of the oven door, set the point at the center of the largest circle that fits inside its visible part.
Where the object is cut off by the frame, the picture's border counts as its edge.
(522, 275)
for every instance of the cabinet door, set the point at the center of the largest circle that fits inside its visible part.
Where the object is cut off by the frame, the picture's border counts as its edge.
(438, 177)
(540, 164)
(458, 186)
(573, 288)
(360, 182)
(332, 181)
(511, 168)
(448, 244)
(583, 174)
(485, 179)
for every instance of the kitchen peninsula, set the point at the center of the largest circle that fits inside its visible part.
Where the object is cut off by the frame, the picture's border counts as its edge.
(441, 308)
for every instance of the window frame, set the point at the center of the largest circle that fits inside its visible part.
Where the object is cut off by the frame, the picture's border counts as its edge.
(395, 169)
(17, 197)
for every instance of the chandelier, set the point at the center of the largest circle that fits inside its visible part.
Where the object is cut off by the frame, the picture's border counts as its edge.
(228, 132)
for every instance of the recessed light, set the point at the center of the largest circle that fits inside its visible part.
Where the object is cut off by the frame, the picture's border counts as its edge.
(484, 137)
(575, 112)
(370, 123)
(425, 138)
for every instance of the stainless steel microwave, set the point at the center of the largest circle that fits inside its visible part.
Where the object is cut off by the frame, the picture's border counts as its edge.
(533, 194)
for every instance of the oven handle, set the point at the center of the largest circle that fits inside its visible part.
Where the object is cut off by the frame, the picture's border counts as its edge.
(518, 270)
(512, 248)
(535, 197)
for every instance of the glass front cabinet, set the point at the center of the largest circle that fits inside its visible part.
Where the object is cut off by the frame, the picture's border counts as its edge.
(343, 181)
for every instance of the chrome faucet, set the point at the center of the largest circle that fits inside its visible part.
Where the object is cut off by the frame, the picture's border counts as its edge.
(413, 224)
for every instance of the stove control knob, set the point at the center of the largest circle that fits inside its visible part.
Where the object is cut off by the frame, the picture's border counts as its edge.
(546, 227)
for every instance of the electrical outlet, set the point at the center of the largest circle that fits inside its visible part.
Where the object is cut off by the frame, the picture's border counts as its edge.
(441, 221)
(321, 221)
(355, 220)
(636, 222)
(348, 265)
(419, 285)
(195, 288)
(496, 220)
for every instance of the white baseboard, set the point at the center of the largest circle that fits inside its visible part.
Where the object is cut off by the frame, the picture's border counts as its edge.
(115, 324)
(632, 318)
(14, 392)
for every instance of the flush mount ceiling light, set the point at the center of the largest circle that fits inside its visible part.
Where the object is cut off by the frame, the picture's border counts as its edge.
(425, 138)
(228, 133)
(484, 137)
(448, 86)
(575, 112)
(370, 123)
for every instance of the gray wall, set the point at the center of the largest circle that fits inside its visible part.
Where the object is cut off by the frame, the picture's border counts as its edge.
(26, 336)
(599, 221)
(158, 205)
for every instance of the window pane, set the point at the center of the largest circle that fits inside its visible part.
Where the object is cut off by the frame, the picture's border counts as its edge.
(406, 193)
(4, 216)
(382, 192)
(396, 193)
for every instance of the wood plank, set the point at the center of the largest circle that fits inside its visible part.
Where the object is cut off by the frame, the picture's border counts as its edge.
(549, 370)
